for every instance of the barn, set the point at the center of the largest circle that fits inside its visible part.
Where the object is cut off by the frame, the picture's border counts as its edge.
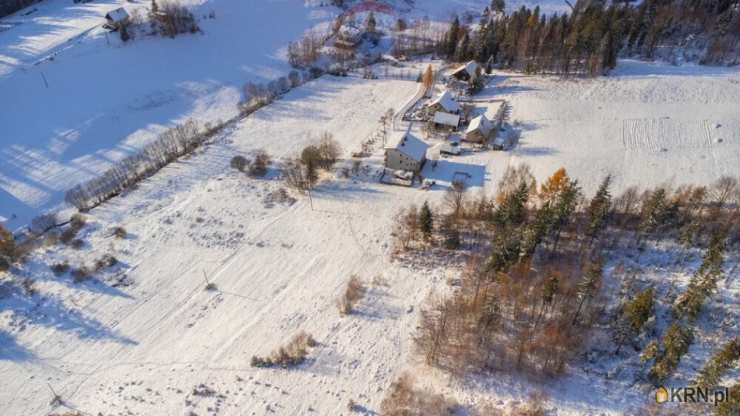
(405, 151)
(479, 130)
(444, 103)
(444, 120)
(468, 72)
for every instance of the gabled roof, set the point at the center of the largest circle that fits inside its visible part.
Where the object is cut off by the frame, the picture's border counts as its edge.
(447, 102)
(117, 15)
(446, 118)
(470, 67)
(408, 144)
(479, 123)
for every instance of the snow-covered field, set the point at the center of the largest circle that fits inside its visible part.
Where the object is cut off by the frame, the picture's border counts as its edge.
(145, 337)
(105, 99)
(75, 98)
(646, 124)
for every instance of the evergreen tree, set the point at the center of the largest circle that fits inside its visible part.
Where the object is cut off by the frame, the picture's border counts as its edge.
(598, 209)
(721, 361)
(513, 210)
(451, 39)
(371, 23)
(674, 344)
(426, 221)
(638, 310)
(587, 287)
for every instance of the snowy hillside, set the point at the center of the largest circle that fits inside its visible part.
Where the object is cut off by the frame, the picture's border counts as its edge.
(77, 98)
(105, 99)
(162, 299)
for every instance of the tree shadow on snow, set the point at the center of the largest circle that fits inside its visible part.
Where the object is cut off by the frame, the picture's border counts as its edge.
(92, 283)
(10, 350)
(51, 312)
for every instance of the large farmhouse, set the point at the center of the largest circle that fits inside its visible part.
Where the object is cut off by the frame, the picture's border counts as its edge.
(405, 151)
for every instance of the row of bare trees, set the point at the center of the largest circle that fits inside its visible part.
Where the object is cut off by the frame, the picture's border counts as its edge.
(171, 144)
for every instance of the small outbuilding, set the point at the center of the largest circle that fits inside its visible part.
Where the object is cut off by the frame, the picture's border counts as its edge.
(444, 103)
(114, 19)
(405, 151)
(479, 130)
(468, 72)
(444, 120)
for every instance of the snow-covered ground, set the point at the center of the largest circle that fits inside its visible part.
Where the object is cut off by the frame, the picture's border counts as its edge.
(145, 337)
(646, 124)
(75, 98)
(105, 99)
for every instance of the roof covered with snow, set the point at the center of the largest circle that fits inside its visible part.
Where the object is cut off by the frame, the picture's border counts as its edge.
(479, 123)
(447, 102)
(446, 118)
(117, 15)
(408, 144)
(470, 67)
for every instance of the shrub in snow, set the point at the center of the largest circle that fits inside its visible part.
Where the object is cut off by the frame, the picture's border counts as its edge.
(119, 232)
(296, 175)
(258, 168)
(59, 268)
(75, 225)
(290, 355)
(77, 221)
(403, 398)
(315, 72)
(295, 78)
(353, 293)
(7, 248)
(29, 285)
(77, 243)
(239, 162)
(106, 261)
(81, 273)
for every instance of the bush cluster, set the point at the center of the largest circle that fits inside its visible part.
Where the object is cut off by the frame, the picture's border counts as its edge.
(292, 354)
(353, 293)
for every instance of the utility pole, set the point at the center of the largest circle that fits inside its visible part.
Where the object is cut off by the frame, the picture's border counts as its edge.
(310, 200)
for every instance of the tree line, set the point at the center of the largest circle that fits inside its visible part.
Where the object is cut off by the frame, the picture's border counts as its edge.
(169, 145)
(532, 287)
(588, 40)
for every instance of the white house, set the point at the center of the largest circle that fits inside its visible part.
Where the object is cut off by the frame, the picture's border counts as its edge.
(469, 71)
(405, 151)
(479, 129)
(116, 17)
(444, 102)
(446, 120)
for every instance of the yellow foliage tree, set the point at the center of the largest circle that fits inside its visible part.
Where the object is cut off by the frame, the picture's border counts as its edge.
(554, 184)
(427, 79)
